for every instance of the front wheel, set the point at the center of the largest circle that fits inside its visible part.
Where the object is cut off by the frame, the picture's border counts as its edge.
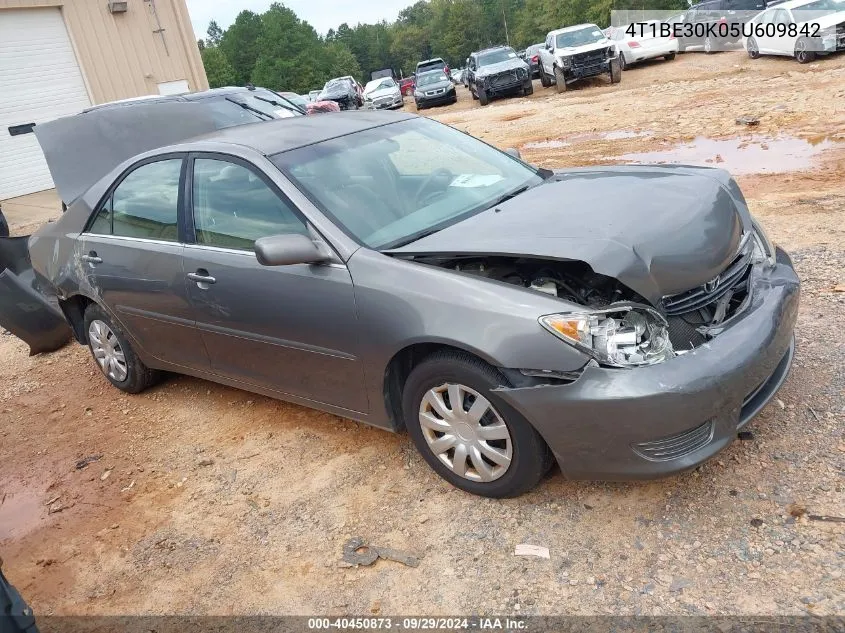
(803, 52)
(483, 99)
(466, 433)
(473, 93)
(113, 353)
(528, 89)
(560, 80)
(615, 71)
(544, 78)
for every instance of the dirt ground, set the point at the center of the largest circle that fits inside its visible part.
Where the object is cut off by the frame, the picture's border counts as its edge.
(210, 500)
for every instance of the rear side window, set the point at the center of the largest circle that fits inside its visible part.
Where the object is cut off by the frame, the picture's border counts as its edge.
(144, 205)
(233, 206)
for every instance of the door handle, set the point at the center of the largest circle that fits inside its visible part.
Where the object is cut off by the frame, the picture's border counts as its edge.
(92, 258)
(201, 277)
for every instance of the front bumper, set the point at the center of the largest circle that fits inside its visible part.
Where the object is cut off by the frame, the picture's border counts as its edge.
(592, 70)
(450, 96)
(616, 424)
(505, 88)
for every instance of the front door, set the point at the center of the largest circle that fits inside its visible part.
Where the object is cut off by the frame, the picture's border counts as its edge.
(287, 328)
(132, 260)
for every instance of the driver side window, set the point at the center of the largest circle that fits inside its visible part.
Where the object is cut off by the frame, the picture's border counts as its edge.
(233, 206)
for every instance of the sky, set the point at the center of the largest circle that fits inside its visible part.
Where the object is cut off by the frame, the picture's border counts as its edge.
(321, 14)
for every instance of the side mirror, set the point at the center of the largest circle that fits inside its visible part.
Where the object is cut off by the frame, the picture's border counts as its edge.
(512, 151)
(285, 250)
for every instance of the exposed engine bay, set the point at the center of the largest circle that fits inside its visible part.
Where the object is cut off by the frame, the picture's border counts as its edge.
(618, 326)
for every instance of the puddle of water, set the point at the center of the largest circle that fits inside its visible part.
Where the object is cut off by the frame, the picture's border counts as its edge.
(20, 511)
(750, 155)
(613, 135)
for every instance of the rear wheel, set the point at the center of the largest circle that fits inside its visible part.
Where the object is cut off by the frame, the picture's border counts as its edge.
(615, 71)
(623, 65)
(752, 49)
(669, 57)
(113, 353)
(560, 80)
(802, 51)
(466, 433)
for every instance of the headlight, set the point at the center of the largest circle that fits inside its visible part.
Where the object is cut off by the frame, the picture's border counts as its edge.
(764, 248)
(619, 336)
(565, 62)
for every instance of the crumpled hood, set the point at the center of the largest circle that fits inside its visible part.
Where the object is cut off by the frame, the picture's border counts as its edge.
(586, 48)
(338, 91)
(657, 230)
(382, 92)
(495, 69)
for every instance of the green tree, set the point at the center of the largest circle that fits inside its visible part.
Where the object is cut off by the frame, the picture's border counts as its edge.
(240, 44)
(213, 34)
(217, 68)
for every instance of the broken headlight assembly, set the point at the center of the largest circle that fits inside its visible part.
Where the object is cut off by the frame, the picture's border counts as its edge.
(565, 62)
(764, 248)
(617, 336)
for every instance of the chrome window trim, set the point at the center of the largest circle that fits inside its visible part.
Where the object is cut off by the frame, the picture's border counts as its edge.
(126, 238)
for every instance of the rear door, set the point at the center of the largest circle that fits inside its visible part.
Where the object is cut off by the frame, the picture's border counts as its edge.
(285, 328)
(131, 256)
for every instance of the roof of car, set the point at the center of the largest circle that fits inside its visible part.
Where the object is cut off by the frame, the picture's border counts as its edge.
(575, 27)
(430, 61)
(191, 96)
(282, 135)
(790, 4)
(490, 48)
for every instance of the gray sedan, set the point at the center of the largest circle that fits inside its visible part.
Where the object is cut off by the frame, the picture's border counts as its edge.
(392, 270)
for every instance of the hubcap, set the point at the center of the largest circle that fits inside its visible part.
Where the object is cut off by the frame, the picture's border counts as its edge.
(465, 432)
(107, 351)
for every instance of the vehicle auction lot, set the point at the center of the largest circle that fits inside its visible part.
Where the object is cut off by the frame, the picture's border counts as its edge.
(210, 500)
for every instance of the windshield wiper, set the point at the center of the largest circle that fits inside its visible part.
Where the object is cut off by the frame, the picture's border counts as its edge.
(251, 109)
(292, 107)
(409, 239)
(508, 196)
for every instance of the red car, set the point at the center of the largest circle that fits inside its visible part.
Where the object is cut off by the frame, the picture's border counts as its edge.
(406, 86)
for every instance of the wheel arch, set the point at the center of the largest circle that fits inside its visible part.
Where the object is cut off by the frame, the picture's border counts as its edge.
(399, 367)
(73, 308)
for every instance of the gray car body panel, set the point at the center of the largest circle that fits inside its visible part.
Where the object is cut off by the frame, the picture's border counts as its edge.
(387, 303)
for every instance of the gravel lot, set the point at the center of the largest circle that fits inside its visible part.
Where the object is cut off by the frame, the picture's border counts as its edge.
(210, 500)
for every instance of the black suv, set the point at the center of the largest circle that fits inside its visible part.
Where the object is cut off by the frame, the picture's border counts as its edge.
(715, 23)
(496, 72)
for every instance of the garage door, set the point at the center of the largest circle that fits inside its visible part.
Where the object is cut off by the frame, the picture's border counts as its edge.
(40, 80)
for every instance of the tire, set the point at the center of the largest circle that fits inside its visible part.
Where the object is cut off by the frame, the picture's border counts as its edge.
(623, 65)
(528, 89)
(529, 457)
(802, 54)
(752, 48)
(615, 71)
(544, 78)
(708, 45)
(138, 376)
(669, 57)
(417, 103)
(560, 80)
(483, 99)
(474, 94)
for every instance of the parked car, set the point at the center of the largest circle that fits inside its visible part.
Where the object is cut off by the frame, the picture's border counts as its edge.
(296, 99)
(434, 88)
(343, 91)
(645, 43)
(482, 310)
(383, 93)
(317, 107)
(314, 95)
(498, 72)
(429, 65)
(230, 106)
(457, 76)
(15, 615)
(406, 86)
(4, 225)
(772, 29)
(465, 76)
(378, 74)
(716, 23)
(577, 52)
(532, 58)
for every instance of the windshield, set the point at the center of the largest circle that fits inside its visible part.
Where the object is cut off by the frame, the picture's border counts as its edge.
(494, 57)
(386, 185)
(296, 99)
(587, 35)
(433, 65)
(431, 78)
(817, 9)
(379, 84)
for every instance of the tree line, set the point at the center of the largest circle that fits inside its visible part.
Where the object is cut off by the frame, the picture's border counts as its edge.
(278, 50)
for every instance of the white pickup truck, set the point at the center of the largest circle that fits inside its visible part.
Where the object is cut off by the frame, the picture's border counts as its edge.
(576, 52)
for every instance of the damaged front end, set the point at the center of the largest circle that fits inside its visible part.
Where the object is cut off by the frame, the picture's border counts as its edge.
(26, 310)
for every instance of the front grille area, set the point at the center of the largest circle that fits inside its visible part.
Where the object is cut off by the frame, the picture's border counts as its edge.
(676, 446)
(591, 58)
(434, 93)
(735, 277)
(504, 79)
